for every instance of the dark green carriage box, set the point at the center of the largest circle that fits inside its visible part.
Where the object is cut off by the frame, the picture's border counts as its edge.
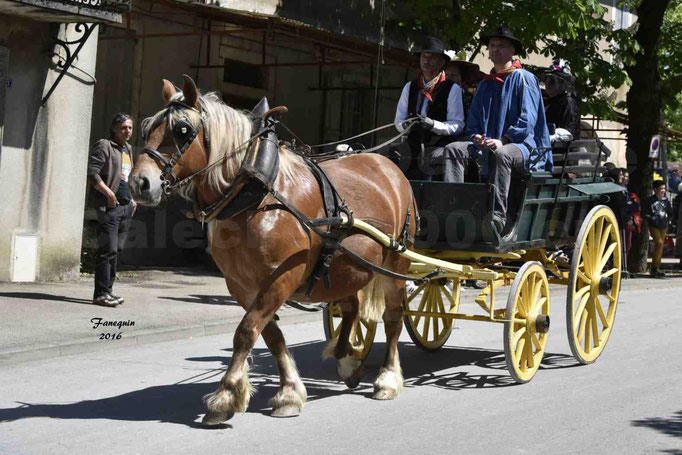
(541, 213)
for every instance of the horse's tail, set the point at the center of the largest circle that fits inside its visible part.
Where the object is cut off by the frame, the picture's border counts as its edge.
(373, 300)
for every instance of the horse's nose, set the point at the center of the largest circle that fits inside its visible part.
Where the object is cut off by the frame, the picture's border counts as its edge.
(142, 184)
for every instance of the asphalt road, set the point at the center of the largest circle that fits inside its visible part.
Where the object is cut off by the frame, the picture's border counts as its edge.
(146, 399)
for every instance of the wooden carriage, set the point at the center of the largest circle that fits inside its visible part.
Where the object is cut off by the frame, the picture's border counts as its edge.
(560, 229)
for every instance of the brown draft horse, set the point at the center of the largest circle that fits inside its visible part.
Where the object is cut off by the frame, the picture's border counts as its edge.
(266, 254)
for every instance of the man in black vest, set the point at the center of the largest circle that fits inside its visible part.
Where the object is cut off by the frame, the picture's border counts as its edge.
(439, 103)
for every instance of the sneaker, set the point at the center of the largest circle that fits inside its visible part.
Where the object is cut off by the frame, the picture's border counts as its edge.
(105, 300)
(118, 298)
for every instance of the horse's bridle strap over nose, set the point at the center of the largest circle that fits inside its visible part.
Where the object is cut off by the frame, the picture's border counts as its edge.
(157, 156)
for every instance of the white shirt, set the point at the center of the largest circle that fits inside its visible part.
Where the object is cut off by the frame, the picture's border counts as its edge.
(454, 124)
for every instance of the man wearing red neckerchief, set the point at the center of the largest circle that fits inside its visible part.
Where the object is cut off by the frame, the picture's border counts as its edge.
(439, 103)
(506, 125)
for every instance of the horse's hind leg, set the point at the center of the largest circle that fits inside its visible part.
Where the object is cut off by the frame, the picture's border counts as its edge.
(349, 363)
(292, 395)
(389, 382)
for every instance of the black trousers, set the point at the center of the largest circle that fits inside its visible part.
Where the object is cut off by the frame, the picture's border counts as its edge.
(112, 229)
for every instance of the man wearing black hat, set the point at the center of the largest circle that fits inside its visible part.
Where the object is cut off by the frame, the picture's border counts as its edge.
(506, 125)
(439, 103)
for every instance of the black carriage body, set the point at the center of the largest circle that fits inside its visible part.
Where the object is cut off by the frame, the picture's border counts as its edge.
(544, 211)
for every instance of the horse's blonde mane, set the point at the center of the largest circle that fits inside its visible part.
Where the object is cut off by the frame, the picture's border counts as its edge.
(229, 130)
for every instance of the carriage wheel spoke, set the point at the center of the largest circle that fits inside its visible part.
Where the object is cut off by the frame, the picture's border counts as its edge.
(581, 305)
(604, 236)
(600, 312)
(519, 348)
(536, 341)
(610, 272)
(518, 335)
(581, 328)
(582, 277)
(588, 344)
(587, 262)
(536, 292)
(422, 304)
(595, 330)
(605, 257)
(537, 307)
(529, 355)
(416, 292)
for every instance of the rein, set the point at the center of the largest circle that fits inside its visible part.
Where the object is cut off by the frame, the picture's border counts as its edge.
(317, 157)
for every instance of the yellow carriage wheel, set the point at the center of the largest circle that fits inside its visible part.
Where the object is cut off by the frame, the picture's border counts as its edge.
(525, 332)
(430, 332)
(593, 285)
(362, 335)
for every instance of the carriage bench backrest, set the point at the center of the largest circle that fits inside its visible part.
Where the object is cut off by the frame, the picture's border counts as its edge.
(580, 157)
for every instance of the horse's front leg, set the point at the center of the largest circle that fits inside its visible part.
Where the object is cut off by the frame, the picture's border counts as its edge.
(235, 390)
(292, 395)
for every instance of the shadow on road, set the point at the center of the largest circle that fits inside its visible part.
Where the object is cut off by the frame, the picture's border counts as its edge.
(180, 403)
(206, 299)
(669, 426)
(41, 296)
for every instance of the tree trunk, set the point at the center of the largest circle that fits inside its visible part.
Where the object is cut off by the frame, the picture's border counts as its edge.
(644, 110)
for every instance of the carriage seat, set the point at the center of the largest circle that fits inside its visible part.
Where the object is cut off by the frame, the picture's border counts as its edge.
(580, 157)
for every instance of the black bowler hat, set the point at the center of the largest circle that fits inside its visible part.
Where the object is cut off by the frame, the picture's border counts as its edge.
(433, 45)
(504, 33)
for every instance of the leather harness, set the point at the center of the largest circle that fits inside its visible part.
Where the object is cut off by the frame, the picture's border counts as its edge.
(256, 178)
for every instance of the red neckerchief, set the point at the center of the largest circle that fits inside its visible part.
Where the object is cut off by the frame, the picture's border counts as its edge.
(499, 77)
(430, 86)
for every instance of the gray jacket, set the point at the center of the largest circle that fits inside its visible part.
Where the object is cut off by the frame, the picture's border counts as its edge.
(104, 164)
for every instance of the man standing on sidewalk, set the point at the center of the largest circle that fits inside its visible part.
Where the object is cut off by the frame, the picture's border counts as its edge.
(109, 165)
(657, 212)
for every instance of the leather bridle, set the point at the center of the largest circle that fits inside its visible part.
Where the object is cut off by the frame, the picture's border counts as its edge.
(183, 134)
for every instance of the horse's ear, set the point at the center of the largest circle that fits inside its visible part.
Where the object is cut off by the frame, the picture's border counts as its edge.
(190, 90)
(168, 91)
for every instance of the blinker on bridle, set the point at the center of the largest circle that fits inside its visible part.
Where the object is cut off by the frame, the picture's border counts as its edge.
(183, 134)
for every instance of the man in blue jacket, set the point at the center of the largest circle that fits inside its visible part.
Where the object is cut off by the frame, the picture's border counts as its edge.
(506, 125)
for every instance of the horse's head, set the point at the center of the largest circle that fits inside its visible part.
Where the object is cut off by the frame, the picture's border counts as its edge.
(176, 142)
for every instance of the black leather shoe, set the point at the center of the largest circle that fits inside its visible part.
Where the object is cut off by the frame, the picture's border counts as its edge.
(105, 300)
(117, 297)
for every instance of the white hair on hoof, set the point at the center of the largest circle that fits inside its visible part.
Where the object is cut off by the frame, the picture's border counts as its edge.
(348, 366)
(290, 399)
(388, 384)
(230, 400)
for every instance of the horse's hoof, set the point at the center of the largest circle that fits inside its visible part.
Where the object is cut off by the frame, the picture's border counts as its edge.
(385, 394)
(353, 381)
(286, 411)
(212, 419)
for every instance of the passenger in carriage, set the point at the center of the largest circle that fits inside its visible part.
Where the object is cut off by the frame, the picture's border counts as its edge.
(467, 75)
(437, 100)
(507, 118)
(561, 107)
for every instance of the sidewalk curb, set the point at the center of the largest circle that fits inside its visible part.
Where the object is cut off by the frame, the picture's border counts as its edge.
(141, 338)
